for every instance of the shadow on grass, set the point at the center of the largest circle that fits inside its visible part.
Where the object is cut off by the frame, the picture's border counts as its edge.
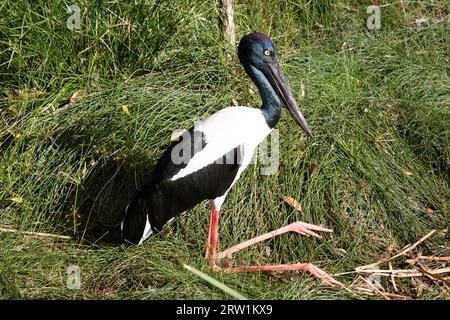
(97, 206)
(101, 203)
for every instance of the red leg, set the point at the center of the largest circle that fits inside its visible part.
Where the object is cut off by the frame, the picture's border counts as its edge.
(213, 232)
(312, 269)
(302, 228)
(208, 242)
(214, 237)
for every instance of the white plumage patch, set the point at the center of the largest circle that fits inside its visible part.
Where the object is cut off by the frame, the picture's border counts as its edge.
(147, 232)
(121, 224)
(226, 130)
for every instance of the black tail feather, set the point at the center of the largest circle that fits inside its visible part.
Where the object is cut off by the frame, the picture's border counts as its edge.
(133, 224)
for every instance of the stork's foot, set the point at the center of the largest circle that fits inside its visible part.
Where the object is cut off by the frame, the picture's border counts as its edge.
(312, 269)
(299, 227)
(306, 229)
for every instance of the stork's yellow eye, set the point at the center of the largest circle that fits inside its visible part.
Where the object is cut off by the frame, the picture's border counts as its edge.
(267, 53)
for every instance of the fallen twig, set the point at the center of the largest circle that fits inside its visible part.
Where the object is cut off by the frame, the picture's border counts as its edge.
(35, 234)
(400, 273)
(434, 258)
(393, 278)
(430, 273)
(402, 252)
(387, 294)
(439, 271)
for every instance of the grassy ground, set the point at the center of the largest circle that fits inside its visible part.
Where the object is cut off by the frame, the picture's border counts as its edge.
(378, 103)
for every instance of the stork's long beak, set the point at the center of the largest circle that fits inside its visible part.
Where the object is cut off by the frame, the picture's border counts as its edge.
(281, 87)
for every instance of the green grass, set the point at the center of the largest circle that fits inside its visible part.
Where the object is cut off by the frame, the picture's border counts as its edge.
(378, 103)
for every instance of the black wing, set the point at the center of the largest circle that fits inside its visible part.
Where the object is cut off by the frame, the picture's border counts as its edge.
(162, 199)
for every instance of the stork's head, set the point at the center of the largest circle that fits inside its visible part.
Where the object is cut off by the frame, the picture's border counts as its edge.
(257, 50)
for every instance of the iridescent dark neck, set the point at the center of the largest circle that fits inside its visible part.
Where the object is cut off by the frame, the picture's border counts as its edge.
(271, 105)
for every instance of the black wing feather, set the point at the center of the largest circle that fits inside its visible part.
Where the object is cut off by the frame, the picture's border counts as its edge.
(162, 199)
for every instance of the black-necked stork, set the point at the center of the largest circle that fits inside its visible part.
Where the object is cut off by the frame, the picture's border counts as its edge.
(219, 148)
